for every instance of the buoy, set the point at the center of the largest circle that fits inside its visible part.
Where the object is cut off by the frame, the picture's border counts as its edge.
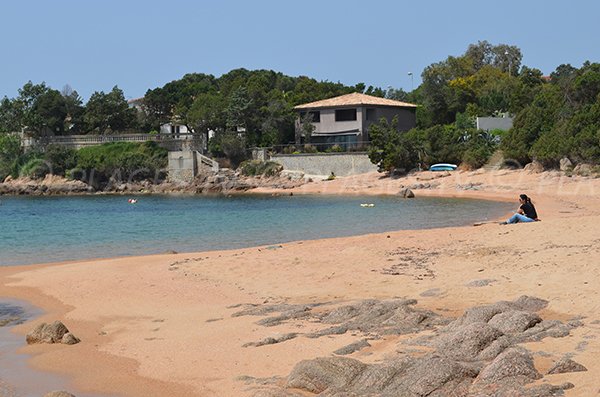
(367, 205)
(132, 201)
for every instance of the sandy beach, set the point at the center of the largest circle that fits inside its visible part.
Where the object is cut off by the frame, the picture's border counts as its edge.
(180, 324)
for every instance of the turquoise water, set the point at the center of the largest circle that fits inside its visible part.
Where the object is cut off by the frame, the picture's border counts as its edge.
(50, 229)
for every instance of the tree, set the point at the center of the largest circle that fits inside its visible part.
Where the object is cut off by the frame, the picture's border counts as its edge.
(106, 113)
(10, 153)
(389, 148)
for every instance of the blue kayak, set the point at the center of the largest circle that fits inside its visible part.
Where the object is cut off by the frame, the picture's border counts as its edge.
(443, 167)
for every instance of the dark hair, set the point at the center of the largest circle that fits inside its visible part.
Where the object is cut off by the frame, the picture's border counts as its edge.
(525, 198)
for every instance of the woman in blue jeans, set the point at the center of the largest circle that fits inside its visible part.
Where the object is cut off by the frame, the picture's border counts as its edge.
(525, 213)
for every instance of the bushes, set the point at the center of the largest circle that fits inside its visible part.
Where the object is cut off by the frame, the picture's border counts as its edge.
(10, 153)
(121, 160)
(257, 167)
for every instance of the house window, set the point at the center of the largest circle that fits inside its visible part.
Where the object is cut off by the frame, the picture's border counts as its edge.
(316, 116)
(345, 115)
(370, 114)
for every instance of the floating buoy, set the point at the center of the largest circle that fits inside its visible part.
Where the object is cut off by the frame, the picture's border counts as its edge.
(132, 201)
(367, 205)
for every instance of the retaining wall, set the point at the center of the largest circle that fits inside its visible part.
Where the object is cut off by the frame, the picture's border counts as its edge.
(341, 164)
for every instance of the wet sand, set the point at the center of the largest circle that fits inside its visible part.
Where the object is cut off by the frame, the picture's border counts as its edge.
(163, 324)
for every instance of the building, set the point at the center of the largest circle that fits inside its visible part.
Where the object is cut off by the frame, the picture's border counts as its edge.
(345, 119)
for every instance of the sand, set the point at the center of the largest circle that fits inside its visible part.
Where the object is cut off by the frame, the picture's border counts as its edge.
(162, 325)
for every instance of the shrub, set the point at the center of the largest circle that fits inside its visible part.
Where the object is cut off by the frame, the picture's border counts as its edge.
(257, 167)
(123, 160)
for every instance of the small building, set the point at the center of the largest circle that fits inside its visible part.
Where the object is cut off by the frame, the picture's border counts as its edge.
(345, 120)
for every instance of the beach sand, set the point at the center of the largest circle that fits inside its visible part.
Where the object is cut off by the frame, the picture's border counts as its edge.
(162, 325)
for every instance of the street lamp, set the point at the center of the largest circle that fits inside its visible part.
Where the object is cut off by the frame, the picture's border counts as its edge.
(509, 62)
(412, 87)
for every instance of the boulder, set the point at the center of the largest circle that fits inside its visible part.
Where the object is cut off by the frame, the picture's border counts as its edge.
(566, 164)
(583, 169)
(406, 193)
(322, 373)
(50, 333)
(475, 341)
(511, 363)
(535, 167)
(69, 339)
(565, 365)
(514, 321)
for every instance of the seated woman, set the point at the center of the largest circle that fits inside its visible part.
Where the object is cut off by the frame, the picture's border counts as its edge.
(525, 213)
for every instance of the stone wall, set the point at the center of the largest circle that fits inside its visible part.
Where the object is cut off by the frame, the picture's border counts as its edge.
(341, 164)
(182, 166)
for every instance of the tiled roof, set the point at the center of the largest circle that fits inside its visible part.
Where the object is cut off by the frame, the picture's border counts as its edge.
(355, 99)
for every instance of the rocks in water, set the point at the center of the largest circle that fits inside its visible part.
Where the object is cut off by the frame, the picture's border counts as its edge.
(60, 393)
(56, 332)
(565, 365)
(406, 193)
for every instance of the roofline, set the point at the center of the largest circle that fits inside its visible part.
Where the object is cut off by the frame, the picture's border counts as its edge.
(304, 107)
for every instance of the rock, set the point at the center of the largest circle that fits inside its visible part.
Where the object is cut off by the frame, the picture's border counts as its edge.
(511, 363)
(56, 332)
(514, 321)
(565, 365)
(318, 375)
(435, 374)
(583, 169)
(69, 339)
(59, 394)
(565, 164)
(476, 341)
(535, 167)
(8, 179)
(406, 193)
(353, 347)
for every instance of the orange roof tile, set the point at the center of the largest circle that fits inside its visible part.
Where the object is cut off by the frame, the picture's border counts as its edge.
(355, 99)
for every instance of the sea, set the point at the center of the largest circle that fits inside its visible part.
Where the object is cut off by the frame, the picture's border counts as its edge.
(65, 228)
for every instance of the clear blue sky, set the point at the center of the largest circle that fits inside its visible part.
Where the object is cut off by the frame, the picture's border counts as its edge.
(137, 45)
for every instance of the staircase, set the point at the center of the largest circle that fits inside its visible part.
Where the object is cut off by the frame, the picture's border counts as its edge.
(207, 162)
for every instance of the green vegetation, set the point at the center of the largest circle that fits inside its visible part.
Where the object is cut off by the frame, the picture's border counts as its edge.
(123, 161)
(555, 117)
(260, 168)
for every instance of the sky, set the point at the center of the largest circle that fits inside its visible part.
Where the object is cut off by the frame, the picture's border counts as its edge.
(140, 45)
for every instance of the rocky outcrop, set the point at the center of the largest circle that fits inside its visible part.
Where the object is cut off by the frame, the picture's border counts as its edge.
(565, 365)
(477, 354)
(566, 164)
(50, 185)
(56, 332)
(406, 193)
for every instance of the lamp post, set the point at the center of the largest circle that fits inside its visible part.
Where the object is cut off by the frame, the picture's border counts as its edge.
(509, 62)
(412, 87)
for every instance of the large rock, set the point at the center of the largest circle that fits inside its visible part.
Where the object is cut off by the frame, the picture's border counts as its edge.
(512, 363)
(514, 321)
(535, 167)
(406, 193)
(565, 365)
(566, 164)
(583, 169)
(318, 375)
(50, 333)
(476, 341)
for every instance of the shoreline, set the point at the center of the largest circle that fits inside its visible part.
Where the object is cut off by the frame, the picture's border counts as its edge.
(69, 291)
